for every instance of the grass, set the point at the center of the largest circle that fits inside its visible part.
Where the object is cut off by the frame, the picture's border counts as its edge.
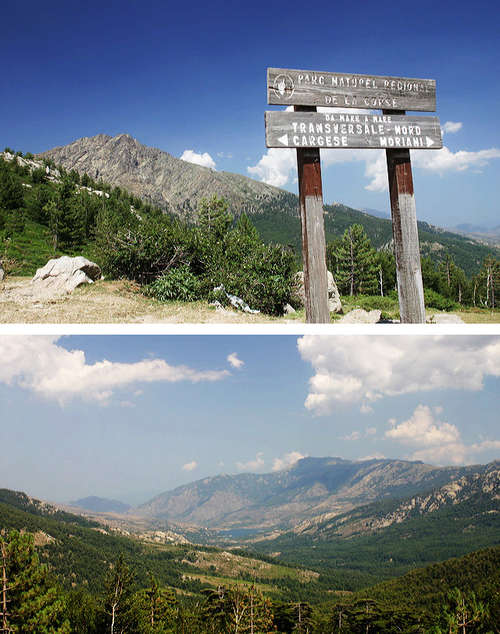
(232, 581)
(231, 564)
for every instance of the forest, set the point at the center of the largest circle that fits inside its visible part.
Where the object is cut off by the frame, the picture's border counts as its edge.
(65, 573)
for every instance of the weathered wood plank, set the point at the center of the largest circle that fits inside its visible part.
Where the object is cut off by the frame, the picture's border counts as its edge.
(313, 235)
(346, 90)
(405, 235)
(344, 130)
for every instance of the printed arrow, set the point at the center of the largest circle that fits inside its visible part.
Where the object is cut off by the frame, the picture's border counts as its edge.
(429, 141)
(283, 139)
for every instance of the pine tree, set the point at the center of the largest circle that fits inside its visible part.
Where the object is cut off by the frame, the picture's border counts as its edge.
(465, 612)
(30, 600)
(153, 609)
(386, 271)
(357, 267)
(246, 228)
(11, 201)
(213, 217)
(117, 596)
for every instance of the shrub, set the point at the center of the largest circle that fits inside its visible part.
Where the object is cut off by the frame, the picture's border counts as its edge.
(437, 301)
(370, 302)
(214, 253)
(177, 283)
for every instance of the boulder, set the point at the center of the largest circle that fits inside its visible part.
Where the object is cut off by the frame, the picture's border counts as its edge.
(445, 318)
(334, 303)
(2, 272)
(64, 274)
(360, 316)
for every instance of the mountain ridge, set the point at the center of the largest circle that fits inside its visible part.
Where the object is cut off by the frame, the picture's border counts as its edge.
(312, 487)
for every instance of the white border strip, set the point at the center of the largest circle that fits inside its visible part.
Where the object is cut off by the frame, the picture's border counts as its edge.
(251, 329)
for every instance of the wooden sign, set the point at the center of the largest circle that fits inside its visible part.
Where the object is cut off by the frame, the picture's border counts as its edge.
(344, 130)
(344, 90)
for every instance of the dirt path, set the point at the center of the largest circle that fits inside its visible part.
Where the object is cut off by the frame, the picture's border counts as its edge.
(107, 302)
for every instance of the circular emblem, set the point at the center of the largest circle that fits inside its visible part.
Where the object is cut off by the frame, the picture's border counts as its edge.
(283, 86)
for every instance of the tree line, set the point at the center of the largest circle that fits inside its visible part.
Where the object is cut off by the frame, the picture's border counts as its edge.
(359, 269)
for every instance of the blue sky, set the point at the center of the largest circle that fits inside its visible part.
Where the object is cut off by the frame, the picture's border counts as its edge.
(131, 416)
(192, 77)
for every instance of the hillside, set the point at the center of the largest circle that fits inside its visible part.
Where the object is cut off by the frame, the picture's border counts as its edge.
(311, 488)
(176, 186)
(392, 536)
(80, 551)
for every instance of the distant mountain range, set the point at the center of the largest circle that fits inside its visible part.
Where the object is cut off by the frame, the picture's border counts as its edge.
(308, 494)
(100, 505)
(177, 186)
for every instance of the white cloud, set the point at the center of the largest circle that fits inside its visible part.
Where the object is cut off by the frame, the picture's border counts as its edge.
(205, 160)
(423, 430)
(374, 456)
(42, 366)
(451, 127)
(277, 166)
(437, 442)
(446, 161)
(354, 435)
(252, 465)
(189, 466)
(287, 460)
(234, 360)
(357, 435)
(364, 369)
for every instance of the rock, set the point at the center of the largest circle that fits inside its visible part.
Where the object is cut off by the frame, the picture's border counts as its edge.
(289, 310)
(235, 301)
(334, 303)
(445, 318)
(2, 272)
(64, 274)
(360, 316)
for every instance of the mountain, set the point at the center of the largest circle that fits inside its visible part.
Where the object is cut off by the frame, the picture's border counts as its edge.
(480, 487)
(312, 488)
(485, 235)
(177, 186)
(159, 178)
(376, 212)
(389, 537)
(101, 505)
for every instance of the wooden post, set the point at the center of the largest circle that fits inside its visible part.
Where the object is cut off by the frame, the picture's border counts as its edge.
(313, 232)
(405, 234)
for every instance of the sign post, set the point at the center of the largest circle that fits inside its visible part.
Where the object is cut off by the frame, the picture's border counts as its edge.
(307, 131)
(313, 233)
(405, 236)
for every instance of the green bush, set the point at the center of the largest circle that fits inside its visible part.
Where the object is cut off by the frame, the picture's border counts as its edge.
(177, 283)
(437, 301)
(214, 253)
(371, 302)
